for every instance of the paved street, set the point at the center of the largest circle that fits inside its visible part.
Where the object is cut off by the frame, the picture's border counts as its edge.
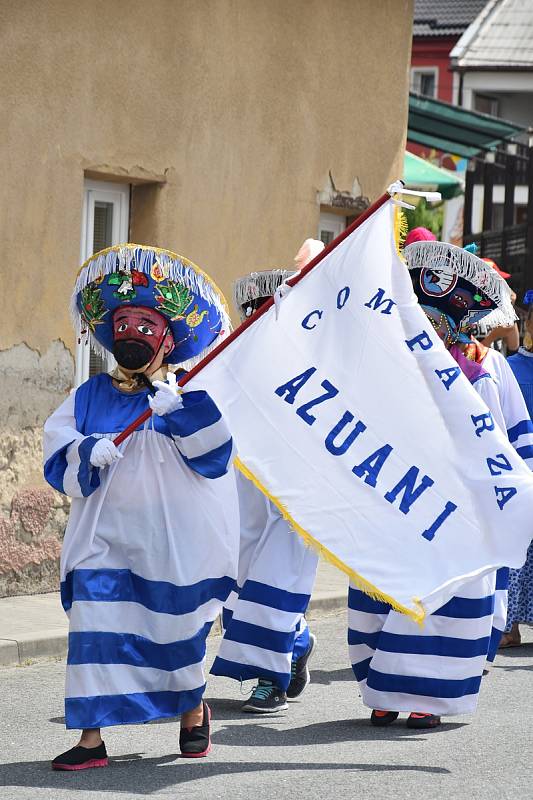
(323, 747)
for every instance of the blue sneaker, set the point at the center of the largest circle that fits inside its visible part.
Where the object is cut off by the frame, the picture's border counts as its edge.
(300, 676)
(266, 698)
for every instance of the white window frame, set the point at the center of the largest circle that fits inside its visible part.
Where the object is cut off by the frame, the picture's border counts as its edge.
(494, 103)
(336, 223)
(425, 71)
(118, 194)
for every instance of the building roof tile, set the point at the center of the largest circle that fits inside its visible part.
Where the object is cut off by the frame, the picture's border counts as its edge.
(445, 17)
(500, 37)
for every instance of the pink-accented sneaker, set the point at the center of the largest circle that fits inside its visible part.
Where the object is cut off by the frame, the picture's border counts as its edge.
(81, 758)
(382, 718)
(417, 720)
(195, 742)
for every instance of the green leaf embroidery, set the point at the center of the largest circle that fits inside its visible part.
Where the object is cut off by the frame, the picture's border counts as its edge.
(174, 299)
(93, 308)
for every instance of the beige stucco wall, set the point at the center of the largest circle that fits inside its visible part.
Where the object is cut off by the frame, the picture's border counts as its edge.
(244, 106)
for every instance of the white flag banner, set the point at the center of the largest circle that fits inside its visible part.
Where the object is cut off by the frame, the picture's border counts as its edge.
(349, 413)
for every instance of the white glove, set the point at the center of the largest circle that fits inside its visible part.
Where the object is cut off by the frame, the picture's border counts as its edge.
(166, 399)
(104, 453)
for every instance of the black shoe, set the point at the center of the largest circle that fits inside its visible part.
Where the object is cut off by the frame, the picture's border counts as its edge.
(300, 676)
(382, 718)
(81, 758)
(195, 742)
(266, 698)
(418, 720)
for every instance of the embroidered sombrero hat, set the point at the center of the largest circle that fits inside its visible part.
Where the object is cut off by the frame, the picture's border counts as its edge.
(141, 275)
(251, 291)
(459, 284)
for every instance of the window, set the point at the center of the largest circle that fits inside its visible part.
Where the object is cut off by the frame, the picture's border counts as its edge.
(486, 104)
(424, 81)
(330, 226)
(105, 222)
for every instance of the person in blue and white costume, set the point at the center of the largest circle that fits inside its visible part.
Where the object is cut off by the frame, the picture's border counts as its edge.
(436, 670)
(150, 551)
(520, 608)
(266, 637)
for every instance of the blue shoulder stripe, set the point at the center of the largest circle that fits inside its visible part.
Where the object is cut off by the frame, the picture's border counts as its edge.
(88, 476)
(55, 467)
(198, 411)
(123, 585)
(526, 426)
(213, 464)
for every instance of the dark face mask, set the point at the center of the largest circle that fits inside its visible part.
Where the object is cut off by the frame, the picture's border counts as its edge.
(131, 354)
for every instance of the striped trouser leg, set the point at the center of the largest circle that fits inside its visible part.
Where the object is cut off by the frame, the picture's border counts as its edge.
(500, 612)
(265, 615)
(435, 668)
(366, 618)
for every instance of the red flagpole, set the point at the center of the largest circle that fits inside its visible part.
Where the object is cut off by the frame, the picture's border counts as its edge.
(141, 419)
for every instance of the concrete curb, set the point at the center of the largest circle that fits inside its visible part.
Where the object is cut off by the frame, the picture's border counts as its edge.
(52, 644)
(30, 647)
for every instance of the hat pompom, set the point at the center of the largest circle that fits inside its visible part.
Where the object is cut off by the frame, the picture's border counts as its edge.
(419, 235)
(307, 252)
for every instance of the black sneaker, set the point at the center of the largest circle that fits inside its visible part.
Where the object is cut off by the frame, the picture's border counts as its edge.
(382, 718)
(195, 742)
(416, 720)
(266, 698)
(300, 676)
(81, 758)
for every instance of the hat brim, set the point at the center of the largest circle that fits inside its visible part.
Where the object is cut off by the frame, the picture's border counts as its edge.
(139, 275)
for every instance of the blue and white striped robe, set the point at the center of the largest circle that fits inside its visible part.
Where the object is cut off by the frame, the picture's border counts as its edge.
(264, 624)
(150, 551)
(437, 669)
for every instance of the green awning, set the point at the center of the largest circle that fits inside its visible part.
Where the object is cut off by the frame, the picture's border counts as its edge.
(421, 174)
(453, 129)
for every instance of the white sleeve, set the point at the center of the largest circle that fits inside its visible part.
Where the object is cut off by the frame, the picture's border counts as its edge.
(67, 453)
(516, 415)
(488, 391)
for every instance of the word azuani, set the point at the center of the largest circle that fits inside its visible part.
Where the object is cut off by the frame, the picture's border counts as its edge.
(409, 488)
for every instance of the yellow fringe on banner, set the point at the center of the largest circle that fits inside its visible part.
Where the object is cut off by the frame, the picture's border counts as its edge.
(401, 229)
(361, 583)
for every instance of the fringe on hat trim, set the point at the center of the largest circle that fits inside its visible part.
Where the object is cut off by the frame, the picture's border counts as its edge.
(441, 256)
(259, 284)
(175, 268)
(417, 614)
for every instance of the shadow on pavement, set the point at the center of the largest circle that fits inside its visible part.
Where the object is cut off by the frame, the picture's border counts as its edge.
(328, 676)
(511, 654)
(345, 730)
(145, 776)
